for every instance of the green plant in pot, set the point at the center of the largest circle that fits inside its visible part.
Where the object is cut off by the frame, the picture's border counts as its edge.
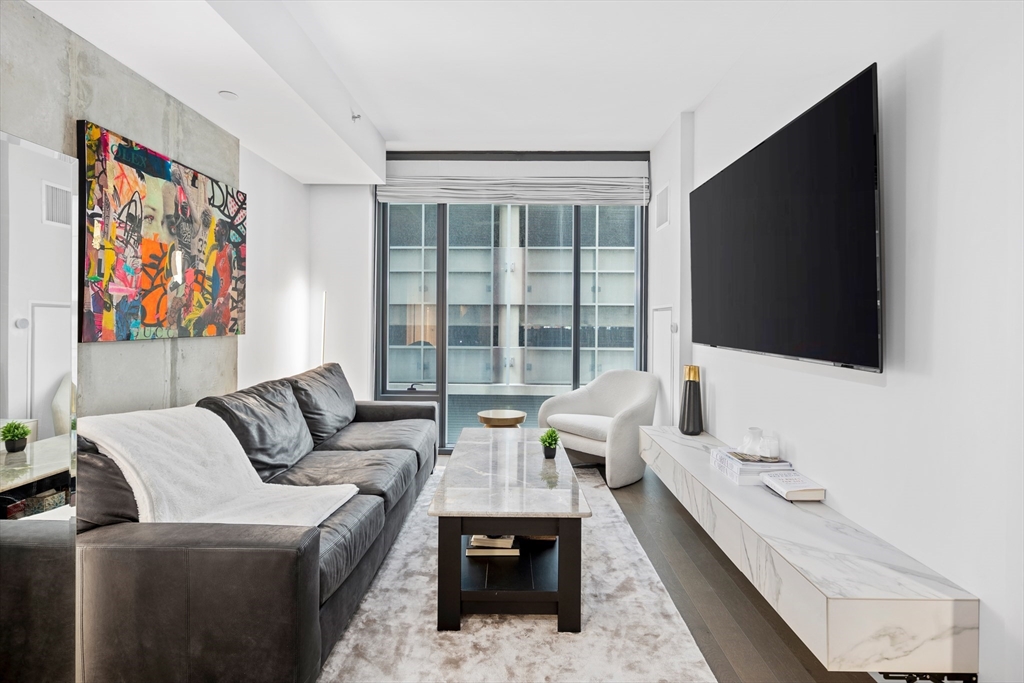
(549, 440)
(15, 436)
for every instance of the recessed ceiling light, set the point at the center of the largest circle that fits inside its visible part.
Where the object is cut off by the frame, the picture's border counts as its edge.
(228, 95)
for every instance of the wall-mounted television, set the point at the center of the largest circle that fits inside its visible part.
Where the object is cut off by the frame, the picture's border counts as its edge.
(786, 242)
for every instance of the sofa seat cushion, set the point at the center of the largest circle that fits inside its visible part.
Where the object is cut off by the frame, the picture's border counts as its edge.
(267, 421)
(386, 473)
(325, 398)
(593, 427)
(345, 537)
(419, 436)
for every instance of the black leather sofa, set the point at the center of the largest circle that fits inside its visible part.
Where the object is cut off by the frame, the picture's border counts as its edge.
(37, 601)
(233, 602)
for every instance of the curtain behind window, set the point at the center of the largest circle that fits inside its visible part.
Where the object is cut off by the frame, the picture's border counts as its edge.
(517, 182)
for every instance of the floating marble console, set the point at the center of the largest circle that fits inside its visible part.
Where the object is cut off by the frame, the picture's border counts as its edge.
(856, 601)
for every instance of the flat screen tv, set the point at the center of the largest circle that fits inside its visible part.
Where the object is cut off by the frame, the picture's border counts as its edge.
(785, 243)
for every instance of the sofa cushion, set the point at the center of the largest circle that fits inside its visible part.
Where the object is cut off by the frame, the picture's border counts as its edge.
(325, 399)
(345, 537)
(416, 435)
(106, 497)
(268, 423)
(594, 427)
(384, 473)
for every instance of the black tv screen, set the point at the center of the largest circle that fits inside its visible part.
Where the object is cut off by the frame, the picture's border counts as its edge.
(785, 243)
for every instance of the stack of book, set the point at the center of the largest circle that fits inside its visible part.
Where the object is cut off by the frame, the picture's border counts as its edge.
(41, 502)
(743, 469)
(16, 510)
(492, 546)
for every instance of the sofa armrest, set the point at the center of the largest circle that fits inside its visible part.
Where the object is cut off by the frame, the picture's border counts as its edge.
(625, 426)
(224, 602)
(624, 465)
(37, 600)
(386, 411)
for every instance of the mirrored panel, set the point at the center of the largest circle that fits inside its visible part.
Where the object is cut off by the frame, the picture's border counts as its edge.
(38, 311)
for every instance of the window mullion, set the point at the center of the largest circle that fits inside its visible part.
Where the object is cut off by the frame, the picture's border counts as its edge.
(577, 214)
(441, 317)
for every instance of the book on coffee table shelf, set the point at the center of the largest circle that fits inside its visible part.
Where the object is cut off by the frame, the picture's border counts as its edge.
(744, 472)
(793, 486)
(512, 551)
(42, 502)
(481, 541)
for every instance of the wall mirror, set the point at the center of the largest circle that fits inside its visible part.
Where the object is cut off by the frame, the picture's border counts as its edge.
(38, 311)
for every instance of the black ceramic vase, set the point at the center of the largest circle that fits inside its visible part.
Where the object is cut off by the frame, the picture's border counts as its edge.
(691, 421)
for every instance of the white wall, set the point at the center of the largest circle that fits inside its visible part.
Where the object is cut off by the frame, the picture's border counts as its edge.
(342, 264)
(668, 268)
(663, 261)
(276, 339)
(927, 455)
(303, 240)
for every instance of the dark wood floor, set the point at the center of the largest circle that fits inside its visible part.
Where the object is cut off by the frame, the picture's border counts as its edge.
(740, 635)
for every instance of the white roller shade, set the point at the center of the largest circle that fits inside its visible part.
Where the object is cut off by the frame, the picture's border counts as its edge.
(516, 182)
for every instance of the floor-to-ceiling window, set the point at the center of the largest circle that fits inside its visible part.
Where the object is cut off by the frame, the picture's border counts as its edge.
(412, 297)
(610, 292)
(510, 303)
(505, 305)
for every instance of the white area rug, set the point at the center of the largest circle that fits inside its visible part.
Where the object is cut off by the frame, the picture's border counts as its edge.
(631, 629)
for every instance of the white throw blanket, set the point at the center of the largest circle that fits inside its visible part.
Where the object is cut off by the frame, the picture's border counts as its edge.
(185, 465)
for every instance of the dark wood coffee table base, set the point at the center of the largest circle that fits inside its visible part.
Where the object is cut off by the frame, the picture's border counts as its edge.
(544, 579)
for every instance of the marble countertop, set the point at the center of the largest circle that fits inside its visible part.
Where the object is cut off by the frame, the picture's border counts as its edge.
(842, 559)
(39, 460)
(503, 473)
(858, 602)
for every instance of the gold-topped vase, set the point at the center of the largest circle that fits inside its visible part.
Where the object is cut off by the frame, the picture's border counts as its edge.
(691, 420)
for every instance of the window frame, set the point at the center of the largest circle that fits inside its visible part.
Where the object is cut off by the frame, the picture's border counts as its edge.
(439, 393)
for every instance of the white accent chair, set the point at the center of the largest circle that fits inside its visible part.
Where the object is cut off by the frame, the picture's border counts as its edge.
(60, 407)
(604, 418)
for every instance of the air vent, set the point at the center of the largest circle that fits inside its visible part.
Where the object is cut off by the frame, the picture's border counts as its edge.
(56, 205)
(661, 208)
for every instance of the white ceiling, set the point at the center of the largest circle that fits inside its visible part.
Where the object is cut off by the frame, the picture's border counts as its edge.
(428, 75)
(530, 75)
(204, 55)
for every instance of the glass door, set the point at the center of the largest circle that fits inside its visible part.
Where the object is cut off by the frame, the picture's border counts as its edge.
(509, 304)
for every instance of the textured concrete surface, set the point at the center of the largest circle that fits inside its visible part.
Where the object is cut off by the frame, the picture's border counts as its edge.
(50, 78)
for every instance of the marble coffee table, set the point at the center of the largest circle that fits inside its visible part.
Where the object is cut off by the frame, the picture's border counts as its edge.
(497, 481)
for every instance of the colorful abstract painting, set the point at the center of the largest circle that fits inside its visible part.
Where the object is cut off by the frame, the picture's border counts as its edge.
(164, 245)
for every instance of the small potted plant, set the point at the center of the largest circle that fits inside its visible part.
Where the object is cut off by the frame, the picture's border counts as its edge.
(15, 436)
(549, 440)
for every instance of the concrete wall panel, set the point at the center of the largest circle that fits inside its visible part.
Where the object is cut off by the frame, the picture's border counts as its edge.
(50, 78)
(35, 77)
